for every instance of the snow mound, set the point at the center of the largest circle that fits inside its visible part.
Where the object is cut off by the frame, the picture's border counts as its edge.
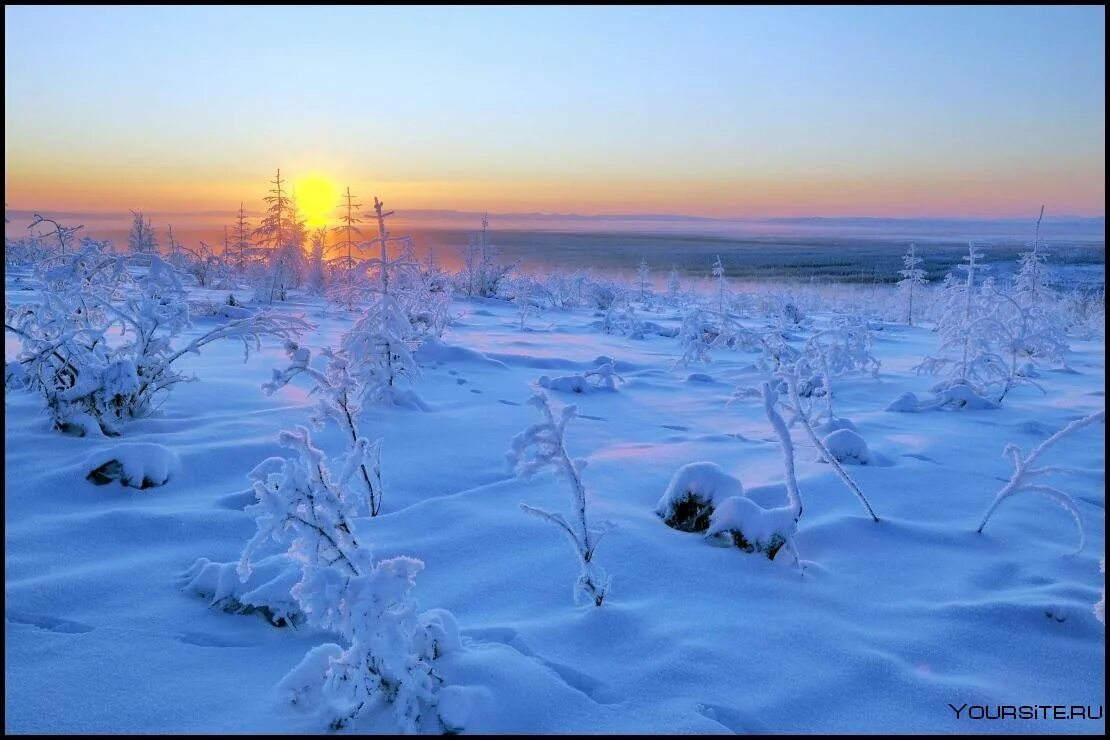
(751, 527)
(693, 494)
(848, 447)
(963, 397)
(134, 464)
(433, 350)
(601, 378)
(905, 403)
(267, 590)
(835, 423)
(699, 378)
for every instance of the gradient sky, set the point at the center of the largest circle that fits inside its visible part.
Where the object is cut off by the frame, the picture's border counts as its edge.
(732, 112)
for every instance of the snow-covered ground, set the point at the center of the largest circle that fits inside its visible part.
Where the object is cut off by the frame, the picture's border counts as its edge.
(888, 625)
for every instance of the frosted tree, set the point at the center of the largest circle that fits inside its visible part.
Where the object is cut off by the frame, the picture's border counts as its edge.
(643, 279)
(141, 238)
(277, 233)
(241, 245)
(722, 284)
(317, 272)
(674, 286)
(543, 445)
(90, 385)
(347, 232)
(382, 341)
(913, 279)
(340, 397)
(175, 257)
(1026, 478)
(389, 650)
(482, 272)
(1029, 282)
(966, 354)
(63, 234)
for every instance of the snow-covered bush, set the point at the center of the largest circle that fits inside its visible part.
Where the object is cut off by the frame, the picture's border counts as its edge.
(693, 494)
(1027, 478)
(340, 395)
(600, 378)
(308, 506)
(91, 386)
(379, 347)
(136, 465)
(543, 445)
(482, 271)
(847, 446)
(966, 355)
(605, 295)
(751, 527)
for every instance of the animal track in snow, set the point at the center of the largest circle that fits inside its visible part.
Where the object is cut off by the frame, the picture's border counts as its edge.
(596, 690)
(46, 622)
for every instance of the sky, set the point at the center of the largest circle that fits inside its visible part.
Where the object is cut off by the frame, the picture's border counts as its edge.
(974, 112)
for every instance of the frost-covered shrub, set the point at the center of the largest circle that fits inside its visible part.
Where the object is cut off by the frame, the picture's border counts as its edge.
(543, 445)
(748, 525)
(693, 494)
(847, 446)
(340, 397)
(482, 272)
(389, 649)
(90, 385)
(136, 465)
(380, 348)
(984, 334)
(600, 378)
(605, 295)
(1027, 478)
(752, 528)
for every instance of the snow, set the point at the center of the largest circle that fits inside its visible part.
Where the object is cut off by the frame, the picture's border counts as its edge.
(847, 446)
(134, 464)
(694, 490)
(883, 626)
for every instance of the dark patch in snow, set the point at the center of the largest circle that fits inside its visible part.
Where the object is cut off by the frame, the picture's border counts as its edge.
(676, 427)
(507, 403)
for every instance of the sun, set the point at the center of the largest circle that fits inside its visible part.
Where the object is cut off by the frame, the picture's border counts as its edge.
(317, 197)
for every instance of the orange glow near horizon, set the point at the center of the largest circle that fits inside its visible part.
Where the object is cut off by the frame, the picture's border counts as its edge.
(968, 196)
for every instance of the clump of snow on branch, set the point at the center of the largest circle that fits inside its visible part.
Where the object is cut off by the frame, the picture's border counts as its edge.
(693, 494)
